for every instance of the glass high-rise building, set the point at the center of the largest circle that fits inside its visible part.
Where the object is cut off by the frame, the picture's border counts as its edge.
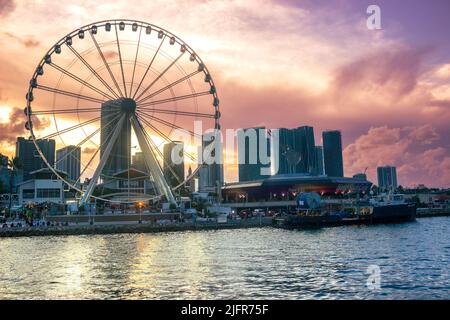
(387, 177)
(173, 170)
(249, 151)
(332, 153)
(119, 158)
(29, 158)
(296, 151)
(319, 161)
(68, 160)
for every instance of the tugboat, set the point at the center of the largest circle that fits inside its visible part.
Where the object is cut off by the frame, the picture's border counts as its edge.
(312, 212)
(390, 208)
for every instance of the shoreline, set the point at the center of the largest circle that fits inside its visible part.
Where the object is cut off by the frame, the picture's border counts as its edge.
(86, 229)
(127, 228)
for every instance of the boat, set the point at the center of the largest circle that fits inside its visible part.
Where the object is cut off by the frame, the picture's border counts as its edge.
(312, 212)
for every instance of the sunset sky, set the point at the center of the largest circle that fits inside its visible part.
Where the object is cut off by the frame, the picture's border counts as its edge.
(282, 64)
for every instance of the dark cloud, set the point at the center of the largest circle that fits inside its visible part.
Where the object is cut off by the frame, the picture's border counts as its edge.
(15, 127)
(6, 7)
(28, 42)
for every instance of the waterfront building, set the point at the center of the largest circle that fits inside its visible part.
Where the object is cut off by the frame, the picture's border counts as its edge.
(29, 158)
(42, 186)
(332, 153)
(319, 161)
(173, 163)
(286, 187)
(68, 160)
(387, 178)
(249, 151)
(120, 156)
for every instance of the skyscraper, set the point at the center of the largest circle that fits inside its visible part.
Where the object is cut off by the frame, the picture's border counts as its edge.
(250, 150)
(173, 163)
(211, 170)
(138, 161)
(305, 145)
(319, 161)
(29, 158)
(332, 153)
(296, 151)
(387, 177)
(68, 160)
(121, 152)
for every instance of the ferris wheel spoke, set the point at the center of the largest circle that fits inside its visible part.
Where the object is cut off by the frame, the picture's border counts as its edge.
(169, 86)
(77, 126)
(155, 147)
(105, 156)
(85, 83)
(63, 111)
(151, 161)
(160, 76)
(96, 151)
(100, 52)
(181, 113)
(135, 60)
(120, 60)
(87, 138)
(163, 135)
(168, 124)
(95, 73)
(173, 99)
(149, 66)
(69, 94)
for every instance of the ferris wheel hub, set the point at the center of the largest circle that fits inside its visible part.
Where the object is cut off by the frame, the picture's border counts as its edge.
(127, 105)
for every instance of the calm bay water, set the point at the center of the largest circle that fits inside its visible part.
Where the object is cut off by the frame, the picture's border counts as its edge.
(267, 263)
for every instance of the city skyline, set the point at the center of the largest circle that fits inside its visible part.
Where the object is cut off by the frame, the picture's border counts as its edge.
(334, 74)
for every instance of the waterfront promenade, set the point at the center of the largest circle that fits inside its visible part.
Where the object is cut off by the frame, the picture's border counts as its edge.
(85, 228)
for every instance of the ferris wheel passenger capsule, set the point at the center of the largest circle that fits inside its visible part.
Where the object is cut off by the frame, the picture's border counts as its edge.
(29, 96)
(28, 125)
(69, 40)
(94, 29)
(172, 40)
(183, 48)
(33, 83)
(58, 49)
(148, 30)
(108, 26)
(208, 78)
(122, 26)
(134, 27)
(27, 111)
(40, 71)
(201, 67)
(48, 59)
(160, 34)
(216, 102)
(81, 34)
(212, 90)
(192, 57)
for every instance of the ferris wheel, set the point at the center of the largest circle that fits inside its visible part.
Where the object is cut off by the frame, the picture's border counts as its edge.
(114, 94)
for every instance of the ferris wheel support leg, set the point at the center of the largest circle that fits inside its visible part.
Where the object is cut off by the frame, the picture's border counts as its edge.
(101, 165)
(151, 162)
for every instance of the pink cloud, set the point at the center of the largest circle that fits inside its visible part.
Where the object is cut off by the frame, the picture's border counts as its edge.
(400, 147)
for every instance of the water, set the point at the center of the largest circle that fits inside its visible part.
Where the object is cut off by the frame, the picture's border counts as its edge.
(233, 264)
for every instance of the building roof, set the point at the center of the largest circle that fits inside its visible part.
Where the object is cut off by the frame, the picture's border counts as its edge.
(285, 179)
